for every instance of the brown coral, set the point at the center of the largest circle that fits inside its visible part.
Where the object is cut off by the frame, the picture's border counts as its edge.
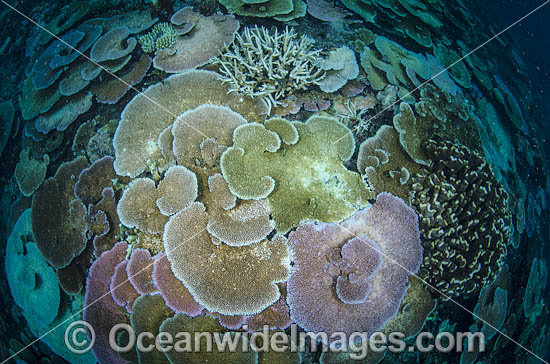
(464, 219)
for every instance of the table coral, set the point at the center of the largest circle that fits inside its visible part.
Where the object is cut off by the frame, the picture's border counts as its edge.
(263, 9)
(269, 65)
(114, 44)
(32, 281)
(204, 41)
(58, 218)
(30, 172)
(172, 290)
(464, 219)
(340, 66)
(312, 182)
(225, 279)
(321, 259)
(100, 310)
(155, 109)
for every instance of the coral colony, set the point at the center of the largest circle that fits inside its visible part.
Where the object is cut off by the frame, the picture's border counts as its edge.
(234, 165)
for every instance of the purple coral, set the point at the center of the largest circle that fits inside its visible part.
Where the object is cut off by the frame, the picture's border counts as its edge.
(359, 260)
(140, 271)
(321, 250)
(175, 295)
(101, 311)
(122, 290)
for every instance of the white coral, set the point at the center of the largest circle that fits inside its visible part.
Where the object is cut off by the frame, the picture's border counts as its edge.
(269, 65)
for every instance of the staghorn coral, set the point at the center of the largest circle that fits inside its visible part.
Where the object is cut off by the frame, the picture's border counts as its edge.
(57, 217)
(464, 219)
(312, 182)
(30, 172)
(144, 118)
(225, 279)
(321, 260)
(204, 41)
(267, 65)
(163, 35)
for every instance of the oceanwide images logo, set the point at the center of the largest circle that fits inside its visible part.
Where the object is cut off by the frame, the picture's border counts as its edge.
(80, 338)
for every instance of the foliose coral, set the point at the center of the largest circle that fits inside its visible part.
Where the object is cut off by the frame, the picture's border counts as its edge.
(464, 219)
(269, 65)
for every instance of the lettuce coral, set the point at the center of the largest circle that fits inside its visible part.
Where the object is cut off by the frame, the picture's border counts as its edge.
(377, 248)
(311, 180)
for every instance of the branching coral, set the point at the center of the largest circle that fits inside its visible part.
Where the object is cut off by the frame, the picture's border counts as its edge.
(162, 36)
(268, 65)
(464, 219)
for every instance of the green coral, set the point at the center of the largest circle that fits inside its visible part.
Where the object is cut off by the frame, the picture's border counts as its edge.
(162, 36)
(303, 177)
(282, 10)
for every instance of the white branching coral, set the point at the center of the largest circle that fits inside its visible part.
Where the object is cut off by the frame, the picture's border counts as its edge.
(269, 65)
(355, 117)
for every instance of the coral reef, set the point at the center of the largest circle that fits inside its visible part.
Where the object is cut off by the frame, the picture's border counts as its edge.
(202, 42)
(57, 217)
(162, 36)
(312, 183)
(322, 253)
(533, 303)
(267, 65)
(464, 219)
(248, 273)
(145, 117)
(30, 172)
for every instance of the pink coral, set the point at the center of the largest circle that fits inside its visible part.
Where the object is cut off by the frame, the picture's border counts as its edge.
(324, 253)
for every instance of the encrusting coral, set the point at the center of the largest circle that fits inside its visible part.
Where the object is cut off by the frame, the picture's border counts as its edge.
(464, 219)
(312, 182)
(269, 65)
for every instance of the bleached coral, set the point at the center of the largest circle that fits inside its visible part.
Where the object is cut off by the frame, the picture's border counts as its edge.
(269, 65)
